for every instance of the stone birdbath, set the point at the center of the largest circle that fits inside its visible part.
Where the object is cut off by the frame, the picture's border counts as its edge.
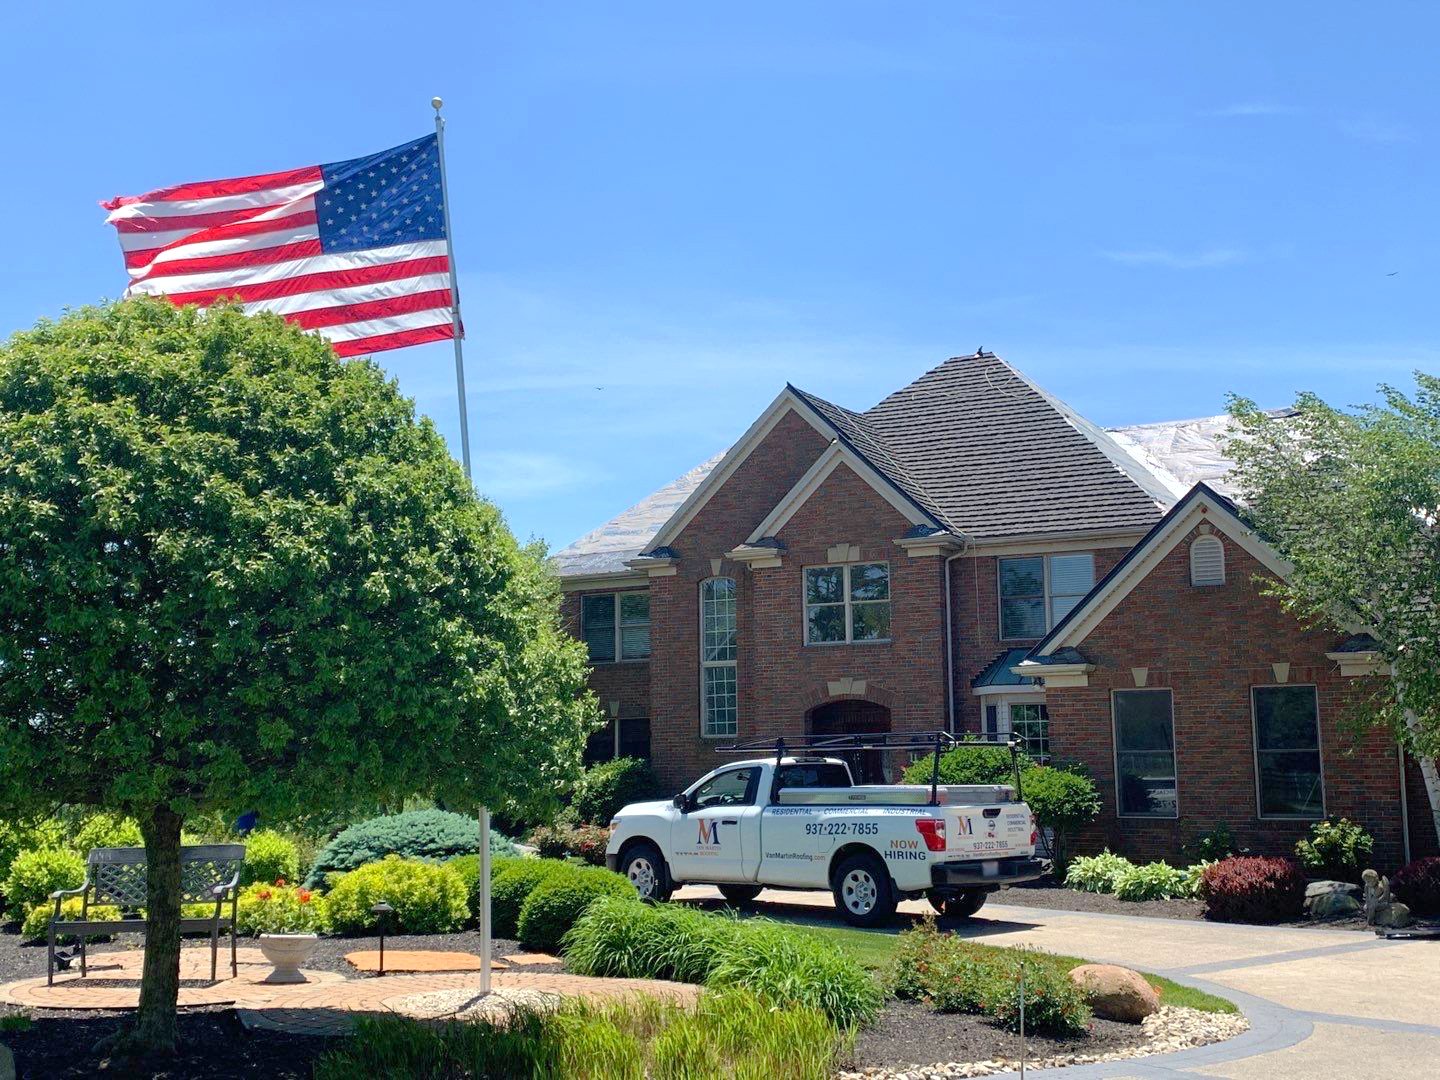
(286, 953)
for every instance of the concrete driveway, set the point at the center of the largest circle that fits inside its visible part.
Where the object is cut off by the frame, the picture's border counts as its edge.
(1321, 1003)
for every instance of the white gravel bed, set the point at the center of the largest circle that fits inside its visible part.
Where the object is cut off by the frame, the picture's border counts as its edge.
(1170, 1029)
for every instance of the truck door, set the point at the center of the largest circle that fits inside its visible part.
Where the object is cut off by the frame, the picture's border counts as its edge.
(706, 842)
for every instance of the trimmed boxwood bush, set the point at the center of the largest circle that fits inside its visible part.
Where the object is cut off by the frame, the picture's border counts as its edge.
(428, 898)
(1061, 801)
(621, 936)
(417, 834)
(106, 830)
(610, 785)
(559, 900)
(972, 763)
(1418, 885)
(510, 888)
(270, 857)
(34, 875)
(1254, 889)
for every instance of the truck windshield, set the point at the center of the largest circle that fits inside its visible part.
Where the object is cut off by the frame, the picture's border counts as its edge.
(814, 774)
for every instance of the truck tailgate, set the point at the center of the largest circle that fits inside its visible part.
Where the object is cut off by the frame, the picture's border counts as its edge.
(976, 831)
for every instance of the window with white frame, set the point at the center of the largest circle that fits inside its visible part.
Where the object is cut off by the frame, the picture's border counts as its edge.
(616, 626)
(1207, 561)
(1027, 720)
(847, 603)
(1037, 591)
(1287, 752)
(1145, 754)
(719, 690)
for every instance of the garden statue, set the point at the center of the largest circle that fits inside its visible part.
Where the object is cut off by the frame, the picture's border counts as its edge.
(1382, 909)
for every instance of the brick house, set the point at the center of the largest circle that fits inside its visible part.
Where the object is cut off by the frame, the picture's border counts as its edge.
(972, 554)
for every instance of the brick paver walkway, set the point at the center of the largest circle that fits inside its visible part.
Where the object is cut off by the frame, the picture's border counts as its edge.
(328, 1003)
(419, 960)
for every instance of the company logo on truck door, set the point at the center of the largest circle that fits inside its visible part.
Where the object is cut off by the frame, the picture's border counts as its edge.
(709, 833)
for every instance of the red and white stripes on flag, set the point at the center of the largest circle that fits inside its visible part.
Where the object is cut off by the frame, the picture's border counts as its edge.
(355, 251)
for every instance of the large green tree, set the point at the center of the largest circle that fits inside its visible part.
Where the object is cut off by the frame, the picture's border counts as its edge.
(238, 573)
(1352, 500)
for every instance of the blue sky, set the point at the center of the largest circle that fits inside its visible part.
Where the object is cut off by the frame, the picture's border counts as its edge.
(664, 211)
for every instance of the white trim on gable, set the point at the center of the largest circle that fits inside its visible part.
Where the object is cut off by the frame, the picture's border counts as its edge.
(785, 402)
(835, 455)
(1107, 597)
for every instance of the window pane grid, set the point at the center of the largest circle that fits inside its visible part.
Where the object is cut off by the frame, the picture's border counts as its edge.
(1037, 591)
(1031, 725)
(847, 603)
(719, 696)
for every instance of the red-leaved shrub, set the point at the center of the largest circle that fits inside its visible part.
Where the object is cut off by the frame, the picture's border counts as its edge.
(1253, 889)
(1418, 885)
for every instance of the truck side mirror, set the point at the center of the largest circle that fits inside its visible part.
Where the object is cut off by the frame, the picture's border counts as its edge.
(681, 802)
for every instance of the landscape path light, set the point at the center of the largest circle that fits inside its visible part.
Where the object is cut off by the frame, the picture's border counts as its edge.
(382, 909)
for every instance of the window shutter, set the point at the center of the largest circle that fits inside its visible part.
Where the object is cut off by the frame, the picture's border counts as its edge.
(1207, 561)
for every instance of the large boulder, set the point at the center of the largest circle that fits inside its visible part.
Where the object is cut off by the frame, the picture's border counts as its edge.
(1116, 993)
(1332, 905)
(1317, 889)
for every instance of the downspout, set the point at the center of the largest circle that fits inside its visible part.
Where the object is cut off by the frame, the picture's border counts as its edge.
(965, 548)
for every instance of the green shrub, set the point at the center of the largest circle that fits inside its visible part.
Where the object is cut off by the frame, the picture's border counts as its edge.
(511, 886)
(269, 857)
(428, 898)
(559, 900)
(1096, 873)
(1253, 889)
(969, 763)
(1152, 881)
(584, 842)
(1195, 878)
(18, 836)
(1212, 845)
(729, 1036)
(1336, 849)
(266, 908)
(604, 788)
(36, 926)
(958, 976)
(418, 834)
(623, 937)
(106, 830)
(35, 874)
(788, 967)
(620, 937)
(1061, 801)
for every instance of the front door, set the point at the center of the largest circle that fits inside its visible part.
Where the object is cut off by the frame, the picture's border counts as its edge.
(706, 842)
(855, 717)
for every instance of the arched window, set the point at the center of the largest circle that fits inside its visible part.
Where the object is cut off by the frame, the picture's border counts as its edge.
(1207, 561)
(719, 699)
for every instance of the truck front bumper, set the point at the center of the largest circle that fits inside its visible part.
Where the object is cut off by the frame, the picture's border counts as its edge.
(987, 872)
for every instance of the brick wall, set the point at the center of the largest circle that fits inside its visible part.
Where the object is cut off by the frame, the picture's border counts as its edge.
(1209, 646)
(975, 613)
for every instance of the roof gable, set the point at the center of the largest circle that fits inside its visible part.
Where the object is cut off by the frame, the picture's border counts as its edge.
(1201, 504)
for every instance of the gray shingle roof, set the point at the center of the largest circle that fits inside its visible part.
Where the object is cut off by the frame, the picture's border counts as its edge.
(982, 450)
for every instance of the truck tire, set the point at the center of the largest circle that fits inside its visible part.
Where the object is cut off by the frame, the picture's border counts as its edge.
(739, 894)
(863, 893)
(643, 864)
(958, 905)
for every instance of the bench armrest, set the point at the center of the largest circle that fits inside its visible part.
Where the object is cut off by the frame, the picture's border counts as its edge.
(58, 893)
(220, 892)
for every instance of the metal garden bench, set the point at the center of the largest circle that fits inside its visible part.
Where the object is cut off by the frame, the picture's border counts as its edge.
(209, 873)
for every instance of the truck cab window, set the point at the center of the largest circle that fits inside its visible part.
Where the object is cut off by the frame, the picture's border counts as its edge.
(818, 774)
(733, 788)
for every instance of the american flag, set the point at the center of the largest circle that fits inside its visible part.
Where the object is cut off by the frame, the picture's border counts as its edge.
(355, 251)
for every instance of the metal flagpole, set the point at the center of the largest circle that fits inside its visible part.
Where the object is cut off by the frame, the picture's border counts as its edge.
(436, 103)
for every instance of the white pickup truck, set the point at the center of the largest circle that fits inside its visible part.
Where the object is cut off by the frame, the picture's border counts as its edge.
(800, 822)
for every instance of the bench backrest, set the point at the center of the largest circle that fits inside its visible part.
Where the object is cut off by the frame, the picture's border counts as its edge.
(117, 874)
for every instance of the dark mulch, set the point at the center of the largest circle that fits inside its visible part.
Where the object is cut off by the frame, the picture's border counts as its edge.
(909, 1033)
(1058, 898)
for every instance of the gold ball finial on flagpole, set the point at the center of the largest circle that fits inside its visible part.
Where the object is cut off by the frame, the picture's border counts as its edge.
(436, 103)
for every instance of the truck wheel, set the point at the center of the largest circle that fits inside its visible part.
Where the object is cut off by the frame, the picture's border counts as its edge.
(862, 890)
(958, 905)
(739, 894)
(645, 867)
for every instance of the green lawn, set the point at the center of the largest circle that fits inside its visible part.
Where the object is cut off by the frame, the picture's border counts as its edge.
(873, 949)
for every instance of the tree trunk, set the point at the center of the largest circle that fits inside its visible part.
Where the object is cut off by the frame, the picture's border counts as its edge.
(160, 981)
(1428, 771)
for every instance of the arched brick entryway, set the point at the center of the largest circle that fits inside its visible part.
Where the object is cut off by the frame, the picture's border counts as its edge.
(854, 716)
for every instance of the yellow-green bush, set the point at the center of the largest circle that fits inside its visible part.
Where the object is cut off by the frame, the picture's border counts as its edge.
(106, 830)
(34, 875)
(36, 926)
(428, 898)
(558, 901)
(270, 857)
